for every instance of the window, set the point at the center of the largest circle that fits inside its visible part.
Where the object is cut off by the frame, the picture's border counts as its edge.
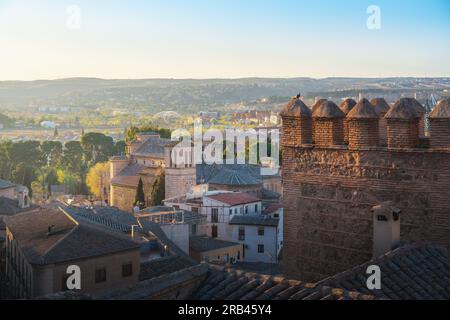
(256, 208)
(260, 248)
(241, 233)
(100, 275)
(246, 209)
(231, 212)
(194, 209)
(261, 231)
(236, 211)
(214, 232)
(127, 270)
(194, 229)
(214, 215)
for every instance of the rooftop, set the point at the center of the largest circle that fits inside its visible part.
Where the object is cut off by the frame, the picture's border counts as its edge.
(363, 110)
(264, 221)
(129, 176)
(328, 109)
(380, 105)
(232, 174)
(47, 236)
(234, 198)
(347, 105)
(296, 108)
(404, 109)
(442, 110)
(6, 184)
(152, 147)
(205, 244)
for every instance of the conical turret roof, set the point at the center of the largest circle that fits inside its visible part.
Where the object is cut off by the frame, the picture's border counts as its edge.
(363, 110)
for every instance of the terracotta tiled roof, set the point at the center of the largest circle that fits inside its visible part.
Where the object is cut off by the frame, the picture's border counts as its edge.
(68, 240)
(317, 104)
(159, 267)
(273, 208)
(228, 284)
(234, 198)
(129, 176)
(414, 272)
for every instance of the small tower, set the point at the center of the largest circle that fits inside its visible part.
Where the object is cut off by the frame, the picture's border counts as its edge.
(381, 108)
(420, 110)
(362, 126)
(328, 125)
(346, 106)
(180, 169)
(403, 124)
(440, 125)
(297, 123)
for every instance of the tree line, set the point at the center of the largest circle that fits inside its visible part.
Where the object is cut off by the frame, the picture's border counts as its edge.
(39, 165)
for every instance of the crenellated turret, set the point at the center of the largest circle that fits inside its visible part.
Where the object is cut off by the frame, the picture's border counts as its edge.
(362, 123)
(297, 123)
(403, 124)
(346, 106)
(328, 125)
(440, 125)
(381, 107)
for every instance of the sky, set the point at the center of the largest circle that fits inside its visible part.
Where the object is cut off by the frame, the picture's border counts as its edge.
(223, 38)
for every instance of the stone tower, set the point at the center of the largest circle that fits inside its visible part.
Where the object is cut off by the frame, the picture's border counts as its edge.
(180, 170)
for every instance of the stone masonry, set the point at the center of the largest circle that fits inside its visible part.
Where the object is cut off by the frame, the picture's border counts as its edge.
(330, 190)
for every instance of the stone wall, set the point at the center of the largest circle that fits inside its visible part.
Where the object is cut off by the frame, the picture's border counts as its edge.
(329, 193)
(328, 132)
(123, 197)
(179, 181)
(362, 133)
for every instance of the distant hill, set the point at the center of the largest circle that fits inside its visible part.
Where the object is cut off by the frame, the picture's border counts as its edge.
(188, 95)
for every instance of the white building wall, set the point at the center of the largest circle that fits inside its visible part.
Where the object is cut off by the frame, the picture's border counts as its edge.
(252, 240)
(179, 234)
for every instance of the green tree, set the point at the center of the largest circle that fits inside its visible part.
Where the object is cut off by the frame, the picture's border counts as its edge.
(52, 153)
(139, 200)
(97, 147)
(24, 174)
(158, 191)
(73, 156)
(119, 148)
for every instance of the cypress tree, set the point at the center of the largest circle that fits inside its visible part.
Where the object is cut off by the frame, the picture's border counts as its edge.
(140, 196)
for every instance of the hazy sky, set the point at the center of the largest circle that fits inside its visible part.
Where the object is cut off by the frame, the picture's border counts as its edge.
(223, 38)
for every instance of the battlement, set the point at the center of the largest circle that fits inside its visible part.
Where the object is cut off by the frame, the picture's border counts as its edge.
(332, 184)
(365, 125)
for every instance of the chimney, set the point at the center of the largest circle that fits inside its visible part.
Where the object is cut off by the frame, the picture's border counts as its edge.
(297, 123)
(386, 228)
